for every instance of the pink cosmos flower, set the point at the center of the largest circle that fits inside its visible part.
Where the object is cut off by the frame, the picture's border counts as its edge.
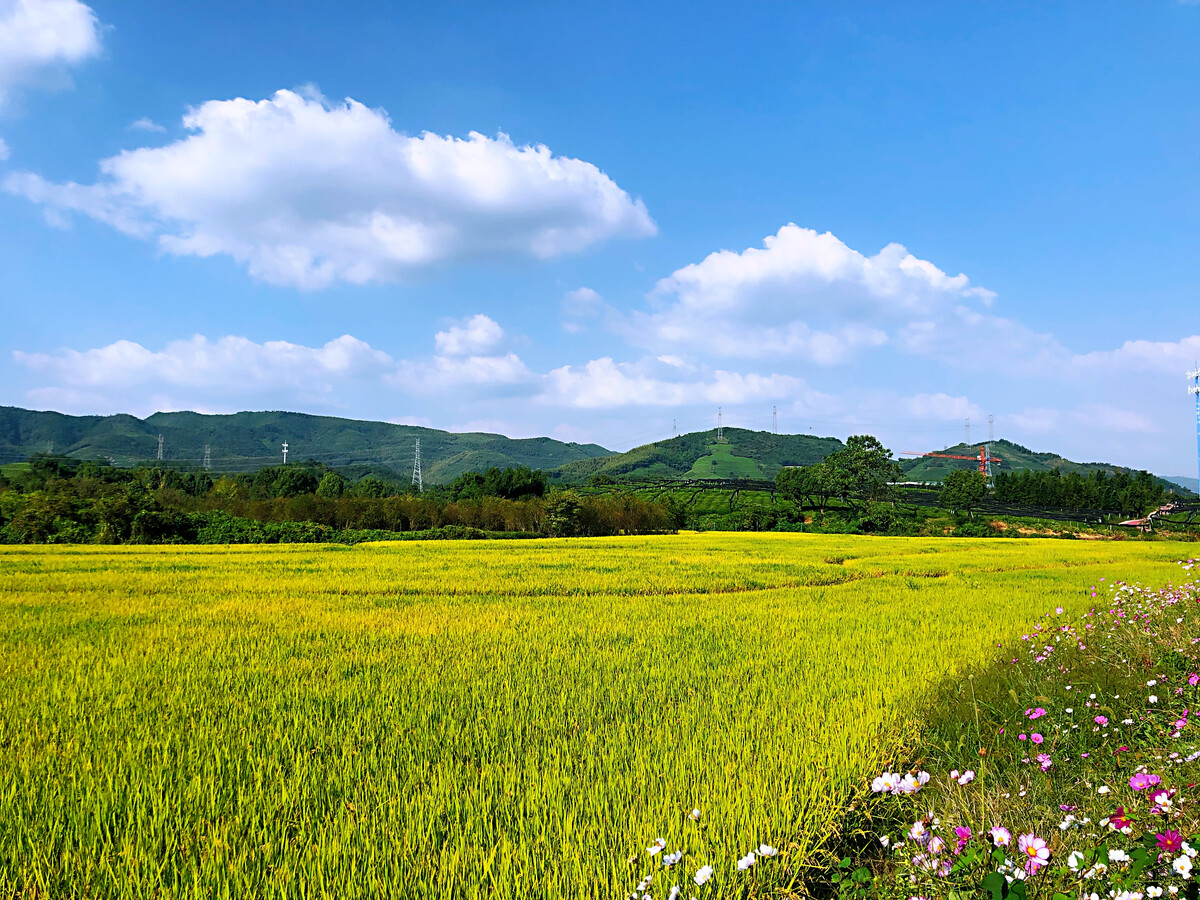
(963, 833)
(1034, 850)
(1140, 781)
(1194, 679)
(1101, 720)
(1046, 761)
(1037, 713)
(1001, 837)
(1119, 820)
(1036, 738)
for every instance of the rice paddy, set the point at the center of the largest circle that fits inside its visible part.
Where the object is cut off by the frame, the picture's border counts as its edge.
(513, 719)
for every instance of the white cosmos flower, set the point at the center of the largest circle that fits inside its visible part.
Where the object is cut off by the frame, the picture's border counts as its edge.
(767, 850)
(669, 859)
(746, 861)
(656, 846)
(703, 874)
(1183, 867)
(695, 815)
(674, 892)
(1075, 860)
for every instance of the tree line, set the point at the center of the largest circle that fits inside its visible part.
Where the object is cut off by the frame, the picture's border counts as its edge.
(63, 500)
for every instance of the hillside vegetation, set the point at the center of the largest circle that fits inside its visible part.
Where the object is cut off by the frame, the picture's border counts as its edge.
(744, 454)
(247, 441)
(1013, 457)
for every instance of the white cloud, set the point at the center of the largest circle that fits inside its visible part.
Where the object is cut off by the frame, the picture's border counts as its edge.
(801, 294)
(40, 37)
(446, 372)
(603, 383)
(1170, 358)
(3, 150)
(227, 365)
(305, 193)
(146, 124)
(475, 335)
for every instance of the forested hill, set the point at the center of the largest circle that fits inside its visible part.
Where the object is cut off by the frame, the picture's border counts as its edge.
(247, 441)
(744, 454)
(1013, 457)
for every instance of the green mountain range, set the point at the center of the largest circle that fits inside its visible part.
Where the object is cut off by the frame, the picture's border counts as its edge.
(1013, 457)
(742, 454)
(247, 441)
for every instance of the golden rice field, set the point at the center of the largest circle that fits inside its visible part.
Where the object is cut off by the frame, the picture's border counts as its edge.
(507, 719)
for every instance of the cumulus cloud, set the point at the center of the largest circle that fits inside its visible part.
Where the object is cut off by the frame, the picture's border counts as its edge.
(603, 383)
(39, 38)
(475, 335)
(307, 193)
(802, 294)
(228, 365)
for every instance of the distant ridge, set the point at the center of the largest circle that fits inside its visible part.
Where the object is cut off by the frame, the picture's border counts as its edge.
(1013, 458)
(757, 455)
(246, 441)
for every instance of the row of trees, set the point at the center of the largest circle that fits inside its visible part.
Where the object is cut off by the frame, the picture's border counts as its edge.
(862, 473)
(1131, 494)
(60, 500)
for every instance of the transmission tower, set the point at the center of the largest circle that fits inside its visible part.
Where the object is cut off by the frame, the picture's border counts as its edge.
(160, 439)
(416, 479)
(967, 428)
(207, 458)
(774, 420)
(720, 428)
(674, 428)
(991, 428)
(1194, 388)
(285, 453)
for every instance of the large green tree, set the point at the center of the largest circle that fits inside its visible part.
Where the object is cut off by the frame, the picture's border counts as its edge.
(862, 472)
(962, 489)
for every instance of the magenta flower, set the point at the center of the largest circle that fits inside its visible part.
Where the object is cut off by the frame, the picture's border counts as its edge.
(1046, 761)
(1140, 781)
(1119, 820)
(1037, 713)
(1036, 738)
(1101, 720)
(963, 833)
(1194, 679)
(1170, 841)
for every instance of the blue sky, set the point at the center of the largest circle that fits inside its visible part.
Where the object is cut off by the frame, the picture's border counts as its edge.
(596, 221)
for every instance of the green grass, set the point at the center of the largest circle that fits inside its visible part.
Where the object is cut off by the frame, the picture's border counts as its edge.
(721, 463)
(515, 719)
